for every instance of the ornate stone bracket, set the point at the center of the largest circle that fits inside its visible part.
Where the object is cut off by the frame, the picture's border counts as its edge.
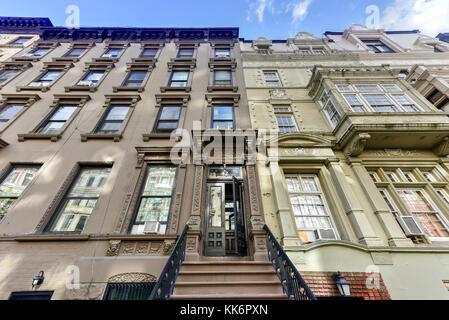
(357, 144)
(442, 149)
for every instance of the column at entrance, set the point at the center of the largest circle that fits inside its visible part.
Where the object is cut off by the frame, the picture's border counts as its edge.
(193, 244)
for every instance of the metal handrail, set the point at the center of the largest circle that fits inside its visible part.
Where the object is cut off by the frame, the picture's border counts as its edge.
(292, 282)
(166, 282)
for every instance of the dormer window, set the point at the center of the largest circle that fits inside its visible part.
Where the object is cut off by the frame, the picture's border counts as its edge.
(377, 46)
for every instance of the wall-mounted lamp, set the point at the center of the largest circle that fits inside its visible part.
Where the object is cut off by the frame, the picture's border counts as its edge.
(37, 280)
(343, 286)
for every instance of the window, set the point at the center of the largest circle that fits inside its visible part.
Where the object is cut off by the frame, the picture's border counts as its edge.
(443, 194)
(20, 40)
(319, 51)
(377, 98)
(149, 52)
(429, 177)
(31, 295)
(437, 98)
(329, 108)
(409, 176)
(305, 51)
(37, 52)
(222, 117)
(222, 52)
(112, 53)
(135, 79)
(57, 119)
(179, 79)
(91, 78)
(377, 46)
(75, 52)
(9, 111)
(373, 175)
(424, 212)
(185, 53)
(272, 79)
(392, 176)
(7, 74)
(112, 121)
(13, 184)
(223, 78)
(128, 291)
(309, 208)
(168, 118)
(285, 119)
(46, 79)
(155, 199)
(79, 201)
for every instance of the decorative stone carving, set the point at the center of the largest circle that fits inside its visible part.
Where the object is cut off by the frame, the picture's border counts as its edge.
(132, 277)
(253, 190)
(196, 201)
(395, 153)
(174, 215)
(168, 246)
(278, 94)
(194, 221)
(356, 146)
(114, 248)
(89, 291)
(442, 149)
(257, 222)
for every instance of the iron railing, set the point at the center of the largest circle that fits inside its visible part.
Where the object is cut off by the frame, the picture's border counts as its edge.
(293, 284)
(164, 286)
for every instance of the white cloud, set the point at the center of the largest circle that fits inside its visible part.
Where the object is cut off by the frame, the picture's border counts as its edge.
(260, 10)
(430, 16)
(300, 10)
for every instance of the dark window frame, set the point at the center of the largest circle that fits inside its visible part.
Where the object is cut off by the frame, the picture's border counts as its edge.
(127, 285)
(146, 168)
(158, 118)
(106, 113)
(16, 294)
(57, 211)
(212, 116)
(230, 78)
(47, 119)
(179, 81)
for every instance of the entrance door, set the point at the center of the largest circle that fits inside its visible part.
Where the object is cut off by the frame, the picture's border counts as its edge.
(215, 220)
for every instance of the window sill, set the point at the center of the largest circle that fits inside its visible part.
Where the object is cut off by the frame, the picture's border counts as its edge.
(81, 88)
(132, 89)
(27, 136)
(185, 89)
(147, 136)
(26, 59)
(150, 61)
(107, 60)
(66, 59)
(92, 136)
(29, 88)
(222, 88)
(3, 144)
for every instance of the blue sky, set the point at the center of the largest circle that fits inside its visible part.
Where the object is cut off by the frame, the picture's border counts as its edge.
(274, 19)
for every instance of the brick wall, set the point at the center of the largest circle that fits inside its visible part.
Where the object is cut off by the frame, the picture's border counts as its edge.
(322, 284)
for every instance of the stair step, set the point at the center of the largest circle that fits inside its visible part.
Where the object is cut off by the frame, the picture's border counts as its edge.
(227, 275)
(226, 265)
(228, 287)
(235, 296)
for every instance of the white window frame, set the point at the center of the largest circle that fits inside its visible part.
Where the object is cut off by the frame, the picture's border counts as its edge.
(319, 193)
(287, 113)
(325, 107)
(269, 83)
(380, 90)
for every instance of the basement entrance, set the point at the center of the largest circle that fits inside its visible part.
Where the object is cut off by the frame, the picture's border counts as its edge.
(225, 232)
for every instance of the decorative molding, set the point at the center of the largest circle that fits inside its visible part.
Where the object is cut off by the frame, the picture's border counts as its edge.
(140, 248)
(174, 214)
(357, 144)
(57, 199)
(395, 153)
(114, 247)
(132, 277)
(442, 149)
(253, 188)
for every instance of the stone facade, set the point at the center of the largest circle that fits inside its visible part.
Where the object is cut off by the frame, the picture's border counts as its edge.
(338, 157)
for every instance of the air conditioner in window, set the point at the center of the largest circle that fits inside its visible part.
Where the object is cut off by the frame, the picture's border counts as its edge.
(409, 225)
(222, 56)
(29, 54)
(325, 234)
(86, 83)
(107, 55)
(151, 227)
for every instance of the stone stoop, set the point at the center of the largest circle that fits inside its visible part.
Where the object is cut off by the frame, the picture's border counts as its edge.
(227, 279)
